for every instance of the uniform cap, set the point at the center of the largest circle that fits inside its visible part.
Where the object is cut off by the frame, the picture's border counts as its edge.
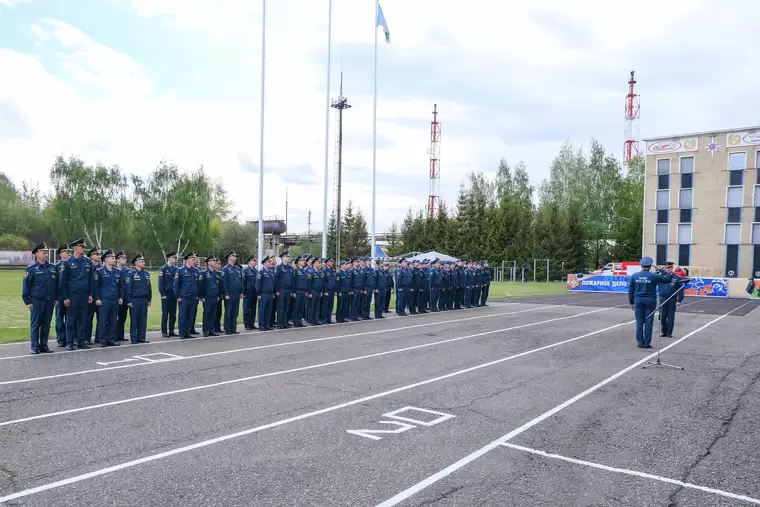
(38, 247)
(285, 252)
(230, 254)
(299, 258)
(670, 263)
(171, 254)
(137, 257)
(121, 253)
(63, 248)
(211, 258)
(250, 258)
(267, 258)
(190, 254)
(93, 251)
(646, 262)
(77, 242)
(108, 252)
(341, 263)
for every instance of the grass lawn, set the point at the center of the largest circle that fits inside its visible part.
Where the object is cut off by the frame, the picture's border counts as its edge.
(14, 316)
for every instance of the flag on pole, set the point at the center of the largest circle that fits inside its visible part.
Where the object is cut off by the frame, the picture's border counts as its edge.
(381, 22)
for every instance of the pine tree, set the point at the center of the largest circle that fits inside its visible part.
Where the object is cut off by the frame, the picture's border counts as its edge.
(332, 236)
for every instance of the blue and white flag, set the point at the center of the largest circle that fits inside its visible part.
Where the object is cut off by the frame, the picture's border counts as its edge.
(381, 22)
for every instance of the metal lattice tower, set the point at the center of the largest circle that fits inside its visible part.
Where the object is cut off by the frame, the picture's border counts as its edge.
(632, 114)
(340, 104)
(434, 195)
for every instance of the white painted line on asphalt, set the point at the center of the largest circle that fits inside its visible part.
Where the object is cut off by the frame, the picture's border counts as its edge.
(282, 422)
(634, 473)
(257, 332)
(120, 361)
(275, 345)
(411, 491)
(301, 368)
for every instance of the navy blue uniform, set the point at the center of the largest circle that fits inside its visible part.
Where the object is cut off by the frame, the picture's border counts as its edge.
(328, 296)
(357, 291)
(108, 288)
(668, 300)
(283, 287)
(40, 289)
(381, 286)
(485, 286)
(436, 284)
(168, 299)
(210, 286)
(186, 289)
(469, 282)
(389, 290)
(138, 294)
(301, 288)
(92, 309)
(76, 288)
(414, 286)
(265, 281)
(403, 282)
(369, 282)
(250, 301)
(642, 294)
(343, 285)
(121, 318)
(316, 290)
(232, 282)
(60, 314)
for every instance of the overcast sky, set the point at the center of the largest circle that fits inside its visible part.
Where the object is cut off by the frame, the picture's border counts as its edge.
(131, 82)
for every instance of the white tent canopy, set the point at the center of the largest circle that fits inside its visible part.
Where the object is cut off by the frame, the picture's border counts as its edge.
(432, 255)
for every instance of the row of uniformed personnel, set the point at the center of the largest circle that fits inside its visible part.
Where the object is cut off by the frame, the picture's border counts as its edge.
(305, 287)
(79, 287)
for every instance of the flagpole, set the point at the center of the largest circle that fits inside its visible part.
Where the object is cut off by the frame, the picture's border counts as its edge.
(327, 130)
(261, 133)
(374, 138)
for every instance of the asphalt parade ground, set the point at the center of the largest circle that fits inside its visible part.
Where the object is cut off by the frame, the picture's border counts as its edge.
(537, 401)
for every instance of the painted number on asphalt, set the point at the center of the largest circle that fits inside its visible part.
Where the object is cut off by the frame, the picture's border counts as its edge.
(404, 422)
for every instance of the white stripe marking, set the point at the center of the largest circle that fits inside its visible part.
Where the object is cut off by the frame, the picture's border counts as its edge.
(512, 434)
(224, 438)
(272, 345)
(634, 473)
(283, 372)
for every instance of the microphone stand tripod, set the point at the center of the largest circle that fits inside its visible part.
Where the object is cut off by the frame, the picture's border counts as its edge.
(657, 361)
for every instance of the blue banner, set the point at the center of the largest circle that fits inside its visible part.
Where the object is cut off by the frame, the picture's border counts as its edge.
(705, 287)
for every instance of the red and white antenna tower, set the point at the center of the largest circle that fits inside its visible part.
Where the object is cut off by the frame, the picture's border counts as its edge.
(434, 199)
(632, 114)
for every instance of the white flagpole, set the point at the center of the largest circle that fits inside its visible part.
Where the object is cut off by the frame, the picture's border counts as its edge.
(327, 131)
(261, 134)
(374, 139)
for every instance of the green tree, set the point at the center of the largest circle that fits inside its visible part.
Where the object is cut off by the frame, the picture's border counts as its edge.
(395, 244)
(332, 236)
(21, 212)
(89, 201)
(179, 211)
(627, 226)
(13, 242)
(237, 237)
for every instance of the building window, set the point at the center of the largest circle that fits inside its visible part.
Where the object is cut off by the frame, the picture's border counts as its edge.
(685, 198)
(736, 178)
(756, 261)
(756, 196)
(661, 234)
(662, 216)
(663, 173)
(757, 163)
(757, 214)
(662, 254)
(734, 215)
(663, 199)
(734, 197)
(756, 234)
(687, 165)
(687, 180)
(686, 216)
(737, 161)
(684, 234)
(684, 254)
(733, 234)
(732, 261)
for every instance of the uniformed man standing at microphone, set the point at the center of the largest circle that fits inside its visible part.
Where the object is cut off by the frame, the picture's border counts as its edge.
(642, 296)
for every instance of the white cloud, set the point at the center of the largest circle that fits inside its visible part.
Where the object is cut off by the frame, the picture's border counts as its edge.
(511, 81)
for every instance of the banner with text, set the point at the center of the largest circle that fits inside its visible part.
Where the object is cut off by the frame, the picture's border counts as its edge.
(739, 139)
(673, 146)
(705, 287)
